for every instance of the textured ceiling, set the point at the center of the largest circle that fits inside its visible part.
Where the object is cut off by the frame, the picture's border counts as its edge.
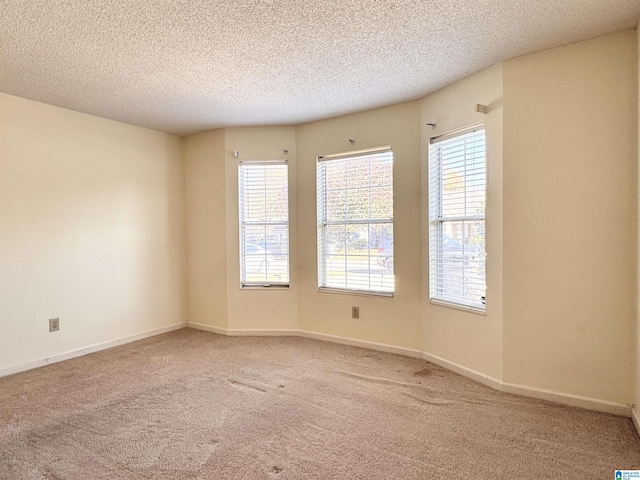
(183, 66)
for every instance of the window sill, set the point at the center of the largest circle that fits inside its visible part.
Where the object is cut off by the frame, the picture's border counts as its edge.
(457, 306)
(264, 287)
(363, 293)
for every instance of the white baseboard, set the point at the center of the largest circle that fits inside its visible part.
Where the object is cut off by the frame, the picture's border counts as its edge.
(539, 393)
(542, 394)
(487, 380)
(262, 332)
(87, 350)
(246, 332)
(207, 328)
(361, 343)
(569, 399)
(635, 419)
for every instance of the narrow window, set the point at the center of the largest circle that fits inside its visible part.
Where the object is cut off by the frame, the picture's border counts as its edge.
(457, 200)
(264, 223)
(355, 222)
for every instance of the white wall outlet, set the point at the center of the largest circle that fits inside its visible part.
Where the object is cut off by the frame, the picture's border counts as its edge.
(54, 324)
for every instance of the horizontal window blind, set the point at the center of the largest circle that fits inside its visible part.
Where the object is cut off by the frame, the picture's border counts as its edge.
(355, 222)
(457, 198)
(264, 223)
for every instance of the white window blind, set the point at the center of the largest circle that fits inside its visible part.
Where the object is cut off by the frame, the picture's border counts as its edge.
(264, 223)
(355, 222)
(457, 198)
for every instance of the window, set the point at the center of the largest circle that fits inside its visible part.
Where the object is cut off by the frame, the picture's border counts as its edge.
(264, 223)
(457, 192)
(355, 222)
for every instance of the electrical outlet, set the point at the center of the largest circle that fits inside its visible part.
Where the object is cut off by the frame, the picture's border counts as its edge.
(355, 312)
(54, 324)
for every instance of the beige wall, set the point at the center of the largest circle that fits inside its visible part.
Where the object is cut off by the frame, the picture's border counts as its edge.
(393, 321)
(562, 171)
(203, 156)
(91, 230)
(259, 308)
(570, 125)
(467, 339)
(93, 215)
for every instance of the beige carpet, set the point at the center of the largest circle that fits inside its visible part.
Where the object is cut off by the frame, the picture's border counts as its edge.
(195, 405)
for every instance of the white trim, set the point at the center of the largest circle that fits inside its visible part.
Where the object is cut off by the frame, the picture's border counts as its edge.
(489, 381)
(569, 399)
(364, 293)
(87, 350)
(459, 306)
(246, 332)
(354, 153)
(382, 347)
(264, 286)
(635, 419)
(307, 334)
(207, 328)
(262, 332)
(277, 161)
(539, 393)
(482, 378)
(458, 132)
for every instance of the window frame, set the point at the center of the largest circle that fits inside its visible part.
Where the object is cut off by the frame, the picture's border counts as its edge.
(437, 220)
(242, 224)
(322, 222)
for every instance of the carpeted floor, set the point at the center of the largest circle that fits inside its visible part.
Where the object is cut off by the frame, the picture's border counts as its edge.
(195, 405)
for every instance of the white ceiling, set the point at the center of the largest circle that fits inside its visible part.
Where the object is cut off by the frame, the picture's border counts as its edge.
(184, 66)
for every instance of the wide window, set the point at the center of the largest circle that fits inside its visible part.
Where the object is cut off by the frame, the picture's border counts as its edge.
(355, 222)
(457, 200)
(264, 224)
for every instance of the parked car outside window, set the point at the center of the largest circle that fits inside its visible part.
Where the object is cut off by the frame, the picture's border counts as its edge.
(385, 253)
(256, 258)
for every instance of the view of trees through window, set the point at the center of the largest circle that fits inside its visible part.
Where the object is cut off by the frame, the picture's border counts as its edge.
(457, 201)
(355, 217)
(264, 223)
(355, 221)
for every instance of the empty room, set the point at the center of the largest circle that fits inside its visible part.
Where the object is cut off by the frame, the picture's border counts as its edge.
(268, 239)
